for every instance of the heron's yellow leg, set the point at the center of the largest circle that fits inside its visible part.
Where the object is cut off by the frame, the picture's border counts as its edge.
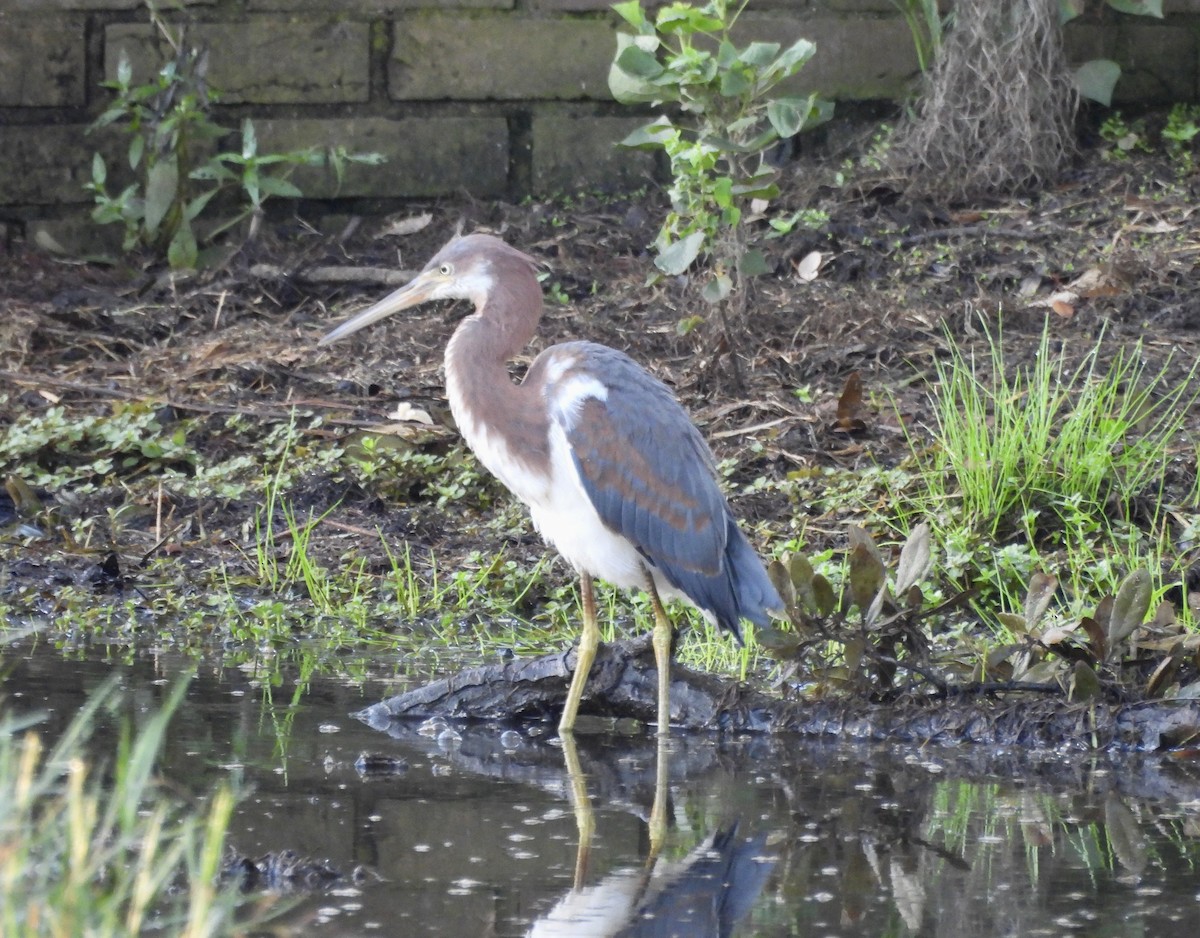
(589, 641)
(662, 658)
(585, 819)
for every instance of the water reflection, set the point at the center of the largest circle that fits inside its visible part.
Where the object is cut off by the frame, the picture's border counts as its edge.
(478, 835)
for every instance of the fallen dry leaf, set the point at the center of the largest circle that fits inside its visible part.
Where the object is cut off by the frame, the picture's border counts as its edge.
(407, 413)
(809, 266)
(405, 226)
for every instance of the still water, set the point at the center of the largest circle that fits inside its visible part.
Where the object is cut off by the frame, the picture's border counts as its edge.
(464, 831)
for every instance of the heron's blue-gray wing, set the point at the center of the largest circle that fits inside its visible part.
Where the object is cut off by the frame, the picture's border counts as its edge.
(650, 476)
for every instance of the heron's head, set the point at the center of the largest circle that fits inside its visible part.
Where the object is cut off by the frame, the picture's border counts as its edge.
(465, 269)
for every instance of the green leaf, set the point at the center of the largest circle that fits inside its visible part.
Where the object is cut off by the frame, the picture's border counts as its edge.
(802, 575)
(137, 148)
(181, 253)
(249, 140)
(789, 115)
(867, 573)
(1085, 683)
(916, 559)
(638, 62)
(108, 117)
(652, 136)
(791, 60)
(629, 88)
(162, 185)
(759, 186)
(1130, 606)
(759, 54)
(99, 170)
(719, 287)
(124, 70)
(1038, 597)
(1068, 10)
(1138, 7)
(734, 82)
(213, 170)
(196, 205)
(276, 185)
(686, 19)
(1097, 79)
(822, 112)
(250, 185)
(727, 54)
(678, 257)
(722, 191)
(632, 13)
(754, 264)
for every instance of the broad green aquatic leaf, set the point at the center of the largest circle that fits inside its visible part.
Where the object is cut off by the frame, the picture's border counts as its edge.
(916, 558)
(823, 594)
(778, 574)
(1097, 79)
(1130, 606)
(678, 257)
(1085, 683)
(1037, 599)
(162, 184)
(867, 572)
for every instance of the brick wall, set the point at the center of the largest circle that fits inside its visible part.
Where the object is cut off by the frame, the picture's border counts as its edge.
(495, 97)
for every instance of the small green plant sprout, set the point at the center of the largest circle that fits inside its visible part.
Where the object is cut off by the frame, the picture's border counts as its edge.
(717, 140)
(178, 170)
(1179, 134)
(1124, 137)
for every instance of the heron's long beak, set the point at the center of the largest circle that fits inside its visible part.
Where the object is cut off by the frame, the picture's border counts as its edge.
(413, 293)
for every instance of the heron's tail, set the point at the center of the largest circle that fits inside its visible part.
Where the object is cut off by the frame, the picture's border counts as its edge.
(752, 595)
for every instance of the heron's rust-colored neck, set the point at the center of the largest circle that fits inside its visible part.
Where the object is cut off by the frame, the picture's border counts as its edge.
(506, 424)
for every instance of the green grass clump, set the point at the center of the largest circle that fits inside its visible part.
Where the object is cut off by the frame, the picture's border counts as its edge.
(103, 850)
(1047, 465)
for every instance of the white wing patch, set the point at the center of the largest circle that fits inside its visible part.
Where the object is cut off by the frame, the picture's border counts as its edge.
(569, 394)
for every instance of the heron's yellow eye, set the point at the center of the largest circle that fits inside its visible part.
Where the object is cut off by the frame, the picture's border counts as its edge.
(445, 269)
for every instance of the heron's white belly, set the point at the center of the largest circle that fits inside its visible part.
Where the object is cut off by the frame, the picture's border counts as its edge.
(566, 519)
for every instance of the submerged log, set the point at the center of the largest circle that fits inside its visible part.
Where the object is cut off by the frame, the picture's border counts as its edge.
(623, 684)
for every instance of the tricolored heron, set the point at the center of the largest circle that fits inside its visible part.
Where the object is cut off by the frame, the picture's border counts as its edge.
(614, 473)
